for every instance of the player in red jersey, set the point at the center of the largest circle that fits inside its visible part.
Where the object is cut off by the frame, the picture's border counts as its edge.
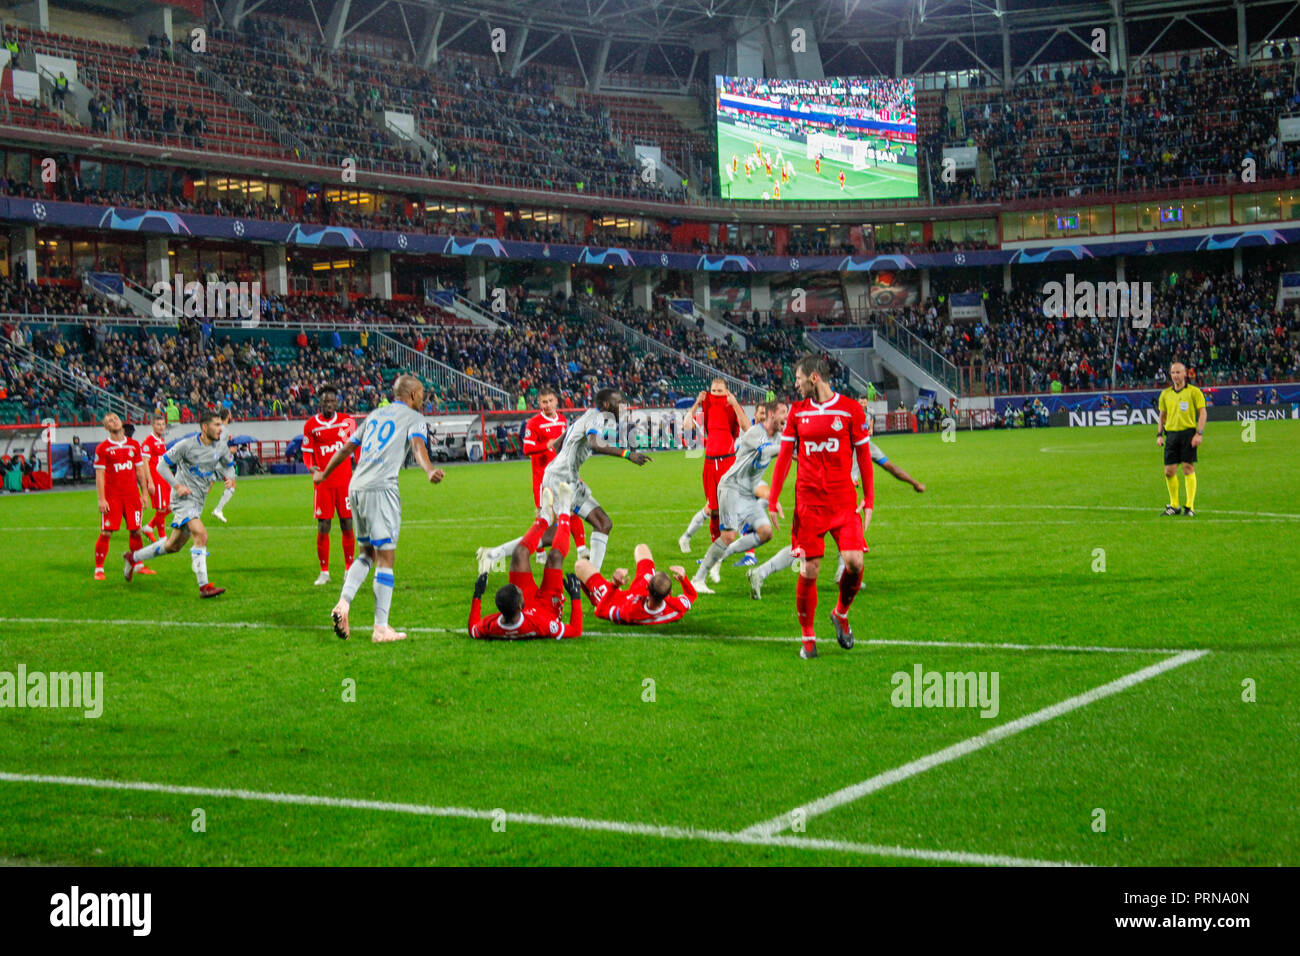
(524, 610)
(542, 435)
(724, 419)
(121, 482)
(322, 435)
(826, 430)
(153, 448)
(841, 179)
(649, 600)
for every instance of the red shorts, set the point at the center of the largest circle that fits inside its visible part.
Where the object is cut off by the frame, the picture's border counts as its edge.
(714, 469)
(331, 499)
(550, 595)
(119, 508)
(809, 528)
(162, 496)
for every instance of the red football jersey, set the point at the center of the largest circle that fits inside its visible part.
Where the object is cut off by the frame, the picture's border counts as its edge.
(118, 460)
(826, 438)
(629, 607)
(538, 432)
(537, 620)
(322, 438)
(153, 448)
(720, 426)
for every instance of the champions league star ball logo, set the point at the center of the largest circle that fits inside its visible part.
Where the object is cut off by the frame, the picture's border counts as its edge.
(239, 227)
(401, 241)
(663, 258)
(38, 210)
(959, 258)
(794, 263)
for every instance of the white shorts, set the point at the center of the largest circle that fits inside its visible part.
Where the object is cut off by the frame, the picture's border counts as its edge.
(378, 514)
(739, 509)
(583, 503)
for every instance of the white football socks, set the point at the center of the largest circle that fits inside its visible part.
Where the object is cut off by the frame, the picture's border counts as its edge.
(147, 552)
(698, 521)
(383, 595)
(225, 497)
(504, 550)
(598, 543)
(199, 564)
(777, 562)
(355, 577)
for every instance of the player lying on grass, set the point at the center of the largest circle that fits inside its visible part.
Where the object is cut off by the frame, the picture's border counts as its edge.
(649, 599)
(743, 496)
(190, 467)
(526, 611)
(583, 439)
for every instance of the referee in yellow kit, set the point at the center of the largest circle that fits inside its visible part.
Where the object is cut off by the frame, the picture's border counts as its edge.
(1182, 426)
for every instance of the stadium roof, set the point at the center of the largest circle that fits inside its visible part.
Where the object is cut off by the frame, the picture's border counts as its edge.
(672, 37)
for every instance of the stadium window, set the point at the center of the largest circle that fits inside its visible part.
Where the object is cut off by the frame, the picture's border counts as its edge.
(1126, 218)
(1245, 209)
(112, 177)
(92, 174)
(1219, 211)
(134, 179)
(1012, 229)
(1034, 225)
(18, 166)
(1100, 220)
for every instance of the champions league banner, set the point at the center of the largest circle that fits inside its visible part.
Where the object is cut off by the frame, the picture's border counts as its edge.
(193, 225)
(1288, 393)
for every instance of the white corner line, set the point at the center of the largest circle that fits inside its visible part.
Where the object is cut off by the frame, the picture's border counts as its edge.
(532, 819)
(649, 632)
(857, 791)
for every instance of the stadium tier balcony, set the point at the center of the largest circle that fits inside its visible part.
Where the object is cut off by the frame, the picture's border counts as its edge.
(141, 95)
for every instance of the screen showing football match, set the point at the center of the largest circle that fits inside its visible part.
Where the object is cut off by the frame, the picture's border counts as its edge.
(847, 138)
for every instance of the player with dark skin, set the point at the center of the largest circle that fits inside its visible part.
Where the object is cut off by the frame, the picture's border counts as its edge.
(329, 406)
(599, 520)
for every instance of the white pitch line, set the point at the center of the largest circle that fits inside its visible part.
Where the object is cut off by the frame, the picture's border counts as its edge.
(533, 819)
(644, 632)
(881, 780)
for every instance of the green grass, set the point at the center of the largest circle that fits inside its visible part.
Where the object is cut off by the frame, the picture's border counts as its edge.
(1000, 550)
(881, 182)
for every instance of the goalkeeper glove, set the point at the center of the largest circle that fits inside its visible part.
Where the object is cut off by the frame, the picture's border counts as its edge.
(480, 585)
(573, 586)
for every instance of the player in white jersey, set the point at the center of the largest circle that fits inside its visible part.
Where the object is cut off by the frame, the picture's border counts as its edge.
(785, 558)
(227, 433)
(190, 467)
(376, 499)
(742, 494)
(583, 439)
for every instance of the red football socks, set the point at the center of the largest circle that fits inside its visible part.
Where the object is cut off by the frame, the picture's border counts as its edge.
(137, 541)
(579, 534)
(805, 602)
(534, 535)
(561, 542)
(850, 581)
(715, 526)
(323, 549)
(349, 548)
(101, 549)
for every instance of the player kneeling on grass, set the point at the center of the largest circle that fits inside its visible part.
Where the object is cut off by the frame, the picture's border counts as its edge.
(190, 467)
(649, 600)
(377, 500)
(743, 496)
(525, 610)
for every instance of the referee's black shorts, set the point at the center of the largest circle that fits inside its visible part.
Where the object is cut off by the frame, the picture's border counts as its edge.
(1178, 447)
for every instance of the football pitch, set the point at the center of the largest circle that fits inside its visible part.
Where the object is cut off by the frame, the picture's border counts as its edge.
(885, 181)
(1141, 717)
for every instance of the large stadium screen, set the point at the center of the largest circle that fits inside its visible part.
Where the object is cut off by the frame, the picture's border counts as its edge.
(848, 138)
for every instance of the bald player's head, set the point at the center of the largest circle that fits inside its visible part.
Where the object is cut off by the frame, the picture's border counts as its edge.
(407, 388)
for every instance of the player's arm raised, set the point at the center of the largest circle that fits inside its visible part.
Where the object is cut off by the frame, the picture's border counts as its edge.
(741, 417)
(476, 606)
(688, 589)
(573, 587)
